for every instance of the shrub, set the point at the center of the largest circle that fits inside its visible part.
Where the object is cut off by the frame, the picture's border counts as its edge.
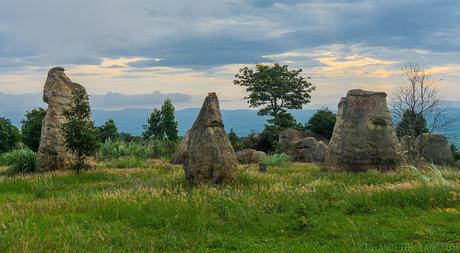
(322, 122)
(278, 160)
(9, 136)
(20, 161)
(79, 132)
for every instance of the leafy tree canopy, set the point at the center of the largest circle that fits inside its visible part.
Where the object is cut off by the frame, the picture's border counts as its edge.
(108, 131)
(9, 136)
(162, 124)
(322, 122)
(274, 89)
(32, 127)
(412, 124)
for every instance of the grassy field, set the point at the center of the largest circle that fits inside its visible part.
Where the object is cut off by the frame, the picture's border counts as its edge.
(293, 209)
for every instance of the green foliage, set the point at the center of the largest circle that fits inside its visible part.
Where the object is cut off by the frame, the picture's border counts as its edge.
(9, 136)
(127, 137)
(19, 161)
(108, 131)
(276, 160)
(32, 127)
(79, 132)
(117, 149)
(275, 89)
(322, 122)
(169, 121)
(411, 124)
(455, 152)
(283, 121)
(162, 125)
(268, 139)
(153, 149)
(153, 129)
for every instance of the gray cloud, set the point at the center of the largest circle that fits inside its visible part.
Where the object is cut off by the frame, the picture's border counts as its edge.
(208, 32)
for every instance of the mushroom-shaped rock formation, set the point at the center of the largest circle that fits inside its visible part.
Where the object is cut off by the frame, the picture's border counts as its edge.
(363, 136)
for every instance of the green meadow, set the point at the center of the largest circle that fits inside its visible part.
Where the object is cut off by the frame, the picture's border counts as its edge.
(298, 208)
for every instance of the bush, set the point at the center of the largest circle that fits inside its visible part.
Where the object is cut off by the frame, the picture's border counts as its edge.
(277, 160)
(79, 132)
(20, 161)
(9, 136)
(322, 122)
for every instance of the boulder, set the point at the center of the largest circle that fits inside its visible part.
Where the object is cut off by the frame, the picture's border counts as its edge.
(57, 93)
(248, 156)
(302, 146)
(309, 150)
(363, 136)
(181, 153)
(210, 156)
(320, 152)
(435, 149)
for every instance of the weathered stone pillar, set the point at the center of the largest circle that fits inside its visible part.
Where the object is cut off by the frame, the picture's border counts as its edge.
(363, 136)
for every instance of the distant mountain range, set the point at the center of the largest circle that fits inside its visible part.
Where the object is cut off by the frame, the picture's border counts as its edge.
(242, 121)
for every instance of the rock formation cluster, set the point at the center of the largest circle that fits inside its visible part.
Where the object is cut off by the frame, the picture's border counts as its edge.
(303, 146)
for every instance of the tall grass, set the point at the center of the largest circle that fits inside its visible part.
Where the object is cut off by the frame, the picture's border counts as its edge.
(155, 149)
(431, 174)
(276, 160)
(19, 161)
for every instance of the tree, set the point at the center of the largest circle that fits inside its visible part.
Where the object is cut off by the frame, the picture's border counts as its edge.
(322, 122)
(79, 132)
(275, 89)
(419, 98)
(411, 124)
(169, 122)
(32, 128)
(162, 124)
(108, 131)
(9, 136)
(153, 129)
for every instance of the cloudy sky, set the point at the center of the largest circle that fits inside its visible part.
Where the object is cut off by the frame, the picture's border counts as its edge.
(142, 49)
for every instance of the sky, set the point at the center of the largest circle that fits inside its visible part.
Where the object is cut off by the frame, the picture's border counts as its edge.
(136, 53)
